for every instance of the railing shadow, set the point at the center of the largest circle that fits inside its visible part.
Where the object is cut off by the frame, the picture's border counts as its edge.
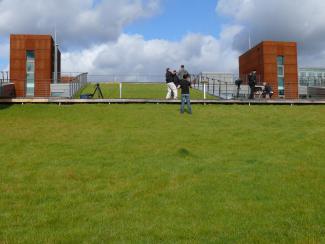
(5, 106)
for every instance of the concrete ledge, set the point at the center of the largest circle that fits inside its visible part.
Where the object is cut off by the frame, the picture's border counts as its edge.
(7, 90)
(156, 101)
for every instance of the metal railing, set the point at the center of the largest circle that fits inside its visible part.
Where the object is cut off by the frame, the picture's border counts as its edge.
(223, 90)
(211, 89)
(224, 86)
(68, 86)
(216, 85)
(4, 79)
(312, 81)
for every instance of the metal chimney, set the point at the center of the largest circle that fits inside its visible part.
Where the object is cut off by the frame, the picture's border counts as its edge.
(56, 46)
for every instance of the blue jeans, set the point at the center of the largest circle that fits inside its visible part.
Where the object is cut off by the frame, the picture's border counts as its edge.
(186, 99)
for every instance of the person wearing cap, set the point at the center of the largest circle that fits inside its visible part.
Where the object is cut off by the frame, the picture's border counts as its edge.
(182, 72)
(171, 88)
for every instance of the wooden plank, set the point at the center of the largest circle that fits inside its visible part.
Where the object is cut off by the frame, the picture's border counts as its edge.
(156, 101)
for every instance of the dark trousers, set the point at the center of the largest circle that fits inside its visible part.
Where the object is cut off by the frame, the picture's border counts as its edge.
(251, 95)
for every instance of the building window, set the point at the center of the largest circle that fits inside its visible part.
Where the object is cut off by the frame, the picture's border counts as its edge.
(281, 86)
(281, 70)
(280, 62)
(30, 73)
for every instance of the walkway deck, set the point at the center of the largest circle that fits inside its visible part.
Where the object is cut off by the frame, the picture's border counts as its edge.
(156, 101)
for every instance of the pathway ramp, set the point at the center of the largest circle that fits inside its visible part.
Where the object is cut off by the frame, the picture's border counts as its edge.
(156, 101)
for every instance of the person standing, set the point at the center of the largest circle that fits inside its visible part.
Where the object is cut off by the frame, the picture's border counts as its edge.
(171, 88)
(185, 86)
(252, 84)
(182, 71)
(176, 82)
(238, 84)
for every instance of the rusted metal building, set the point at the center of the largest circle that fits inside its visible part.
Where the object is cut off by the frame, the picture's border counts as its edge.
(275, 63)
(32, 64)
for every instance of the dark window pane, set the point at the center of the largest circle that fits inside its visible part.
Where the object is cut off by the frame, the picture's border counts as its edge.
(280, 60)
(280, 70)
(30, 67)
(30, 55)
(281, 86)
(30, 76)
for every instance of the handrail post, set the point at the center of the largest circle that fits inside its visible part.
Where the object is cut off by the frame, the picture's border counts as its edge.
(227, 90)
(120, 90)
(204, 91)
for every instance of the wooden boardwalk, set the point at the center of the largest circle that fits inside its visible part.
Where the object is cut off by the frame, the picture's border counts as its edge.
(156, 101)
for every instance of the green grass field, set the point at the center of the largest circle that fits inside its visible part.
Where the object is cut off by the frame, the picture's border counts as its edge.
(137, 91)
(144, 173)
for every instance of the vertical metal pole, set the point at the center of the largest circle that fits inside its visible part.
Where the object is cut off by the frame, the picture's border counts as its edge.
(1, 84)
(249, 40)
(227, 90)
(208, 85)
(55, 59)
(120, 90)
(214, 83)
(204, 90)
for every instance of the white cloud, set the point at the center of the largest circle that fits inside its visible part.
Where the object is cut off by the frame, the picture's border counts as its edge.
(300, 20)
(132, 54)
(79, 22)
(92, 33)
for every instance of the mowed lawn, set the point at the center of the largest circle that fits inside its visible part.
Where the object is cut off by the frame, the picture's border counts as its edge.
(137, 91)
(144, 173)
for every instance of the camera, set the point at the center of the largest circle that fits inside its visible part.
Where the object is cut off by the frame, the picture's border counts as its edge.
(238, 82)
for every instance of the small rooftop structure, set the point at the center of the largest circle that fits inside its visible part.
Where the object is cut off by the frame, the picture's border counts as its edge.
(275, 63)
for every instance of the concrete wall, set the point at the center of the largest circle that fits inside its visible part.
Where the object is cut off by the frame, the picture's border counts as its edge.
(7, 90)
(316, 92)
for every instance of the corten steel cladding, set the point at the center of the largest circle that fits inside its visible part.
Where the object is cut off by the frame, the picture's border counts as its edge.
(263, 60)
(44, 49)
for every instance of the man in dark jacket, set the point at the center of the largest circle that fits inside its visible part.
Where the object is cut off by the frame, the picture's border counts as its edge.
(267, 91)
(171, 88)
(176, 82)
(252, 84)
(185, 86)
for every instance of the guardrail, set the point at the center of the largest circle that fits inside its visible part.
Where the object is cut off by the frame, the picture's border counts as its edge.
(4, 80)
(69, 87)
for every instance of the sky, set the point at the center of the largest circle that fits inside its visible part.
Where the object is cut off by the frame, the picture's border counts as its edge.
(146, 36)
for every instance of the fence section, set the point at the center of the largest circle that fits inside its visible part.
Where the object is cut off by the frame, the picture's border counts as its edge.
(314, 81)
(208, 85)
(68, 86)
(220, 85)
(6, 88)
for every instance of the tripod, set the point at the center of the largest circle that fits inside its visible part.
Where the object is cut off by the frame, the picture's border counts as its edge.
(99, 91)
(238, 84)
